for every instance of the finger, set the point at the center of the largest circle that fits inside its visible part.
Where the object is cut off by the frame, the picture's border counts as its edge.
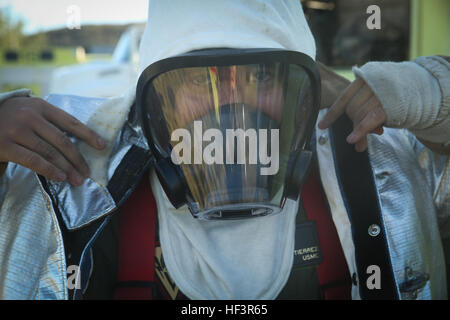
(58, 139)
(371, 121)
(370, 105)
(367, 107)
(338, 108)
(37, 145)
(67, 122)
(36, 163)
(359, 99)
(361, 145)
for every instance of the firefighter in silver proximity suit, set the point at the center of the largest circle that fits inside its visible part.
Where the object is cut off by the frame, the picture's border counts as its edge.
(61, 161)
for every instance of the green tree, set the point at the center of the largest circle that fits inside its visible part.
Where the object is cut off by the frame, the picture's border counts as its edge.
(11, 33)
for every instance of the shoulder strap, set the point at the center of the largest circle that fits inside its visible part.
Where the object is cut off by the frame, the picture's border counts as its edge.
(303, 282)
(137, 245)
(356, 179)
(326, 278)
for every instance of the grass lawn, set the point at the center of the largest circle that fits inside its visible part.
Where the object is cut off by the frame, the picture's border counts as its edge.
(31, 58)
(61, 57)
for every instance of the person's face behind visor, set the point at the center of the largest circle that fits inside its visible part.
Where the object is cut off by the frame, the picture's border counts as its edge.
(200, 90)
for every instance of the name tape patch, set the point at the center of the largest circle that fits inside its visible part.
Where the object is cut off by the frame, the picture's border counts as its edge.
(307, 248)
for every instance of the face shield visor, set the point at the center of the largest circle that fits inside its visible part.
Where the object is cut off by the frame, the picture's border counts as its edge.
(229, 129)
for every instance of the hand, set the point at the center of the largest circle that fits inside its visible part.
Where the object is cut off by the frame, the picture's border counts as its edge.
(32, 135)
(363, 108)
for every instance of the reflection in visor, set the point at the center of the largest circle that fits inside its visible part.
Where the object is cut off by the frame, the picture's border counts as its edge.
(251, 101)
(230, 171)
(196, 91)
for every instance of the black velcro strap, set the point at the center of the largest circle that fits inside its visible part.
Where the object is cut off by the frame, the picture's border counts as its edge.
(128, 173)
(356, 178)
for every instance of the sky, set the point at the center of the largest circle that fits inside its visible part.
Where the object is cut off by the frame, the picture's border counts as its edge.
(42, 15)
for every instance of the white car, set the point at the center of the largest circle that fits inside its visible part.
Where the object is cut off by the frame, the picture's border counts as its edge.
(102, 78)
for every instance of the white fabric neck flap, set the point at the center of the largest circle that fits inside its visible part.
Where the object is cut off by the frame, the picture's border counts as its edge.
(246, 259)
(241, 259)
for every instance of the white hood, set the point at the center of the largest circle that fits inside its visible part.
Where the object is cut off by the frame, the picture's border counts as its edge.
(223, 24)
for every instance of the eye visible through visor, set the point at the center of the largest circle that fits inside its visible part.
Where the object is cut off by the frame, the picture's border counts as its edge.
(229, 128)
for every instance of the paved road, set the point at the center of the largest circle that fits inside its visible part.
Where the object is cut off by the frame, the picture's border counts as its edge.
(23, 76)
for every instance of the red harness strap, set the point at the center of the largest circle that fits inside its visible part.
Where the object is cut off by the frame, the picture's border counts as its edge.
(137, 245)
(333, 271)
